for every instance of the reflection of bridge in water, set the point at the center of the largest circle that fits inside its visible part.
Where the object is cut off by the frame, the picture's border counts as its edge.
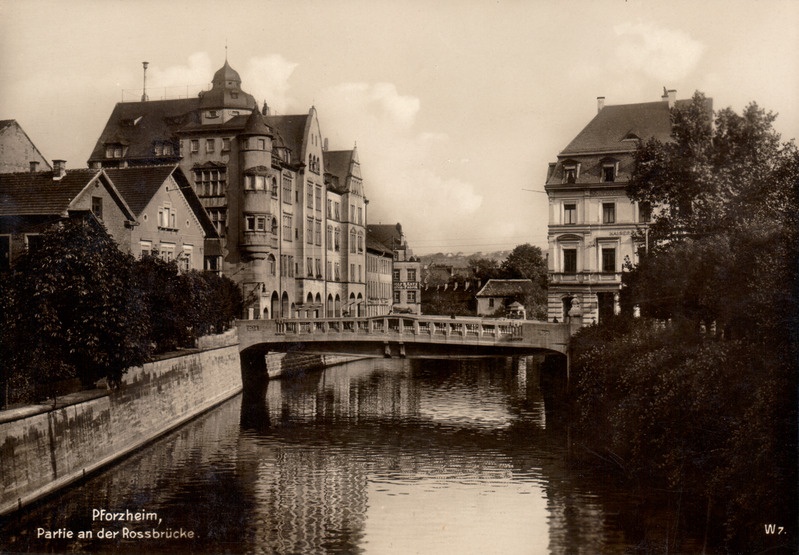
(404, 336)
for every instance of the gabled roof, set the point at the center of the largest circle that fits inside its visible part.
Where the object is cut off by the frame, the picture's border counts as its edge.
(291, 130)
(506, 288)
(37, 194)
(607, 131)
(137, 124)
(139, 184)
(337, 163)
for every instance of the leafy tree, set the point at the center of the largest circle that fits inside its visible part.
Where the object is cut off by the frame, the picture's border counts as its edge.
(525, 262)
(484, 268)
(75, 313)
(225, 302)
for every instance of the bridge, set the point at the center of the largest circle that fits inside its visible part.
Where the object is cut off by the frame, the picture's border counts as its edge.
(404, 336)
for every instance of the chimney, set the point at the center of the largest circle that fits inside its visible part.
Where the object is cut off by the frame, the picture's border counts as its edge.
(59, 169)
(144, 85)
(324, 147)
(265, 109)
(600, 103)
(669, 96)
(34, 166)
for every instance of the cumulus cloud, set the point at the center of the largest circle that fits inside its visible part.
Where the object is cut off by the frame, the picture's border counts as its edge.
(267, 78)
(404, 179)
(180, 80)
(660, 53)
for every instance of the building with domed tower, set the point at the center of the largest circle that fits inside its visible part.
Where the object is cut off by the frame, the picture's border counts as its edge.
(263, 182)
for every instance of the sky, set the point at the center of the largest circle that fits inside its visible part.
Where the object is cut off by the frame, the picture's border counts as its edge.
(456, 106)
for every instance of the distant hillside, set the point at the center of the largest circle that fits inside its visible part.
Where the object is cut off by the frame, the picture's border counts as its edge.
(460, 260)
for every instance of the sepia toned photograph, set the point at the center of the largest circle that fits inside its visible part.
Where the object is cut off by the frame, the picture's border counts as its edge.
(392, 278)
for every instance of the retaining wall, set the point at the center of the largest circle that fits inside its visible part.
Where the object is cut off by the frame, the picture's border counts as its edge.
(40, 453)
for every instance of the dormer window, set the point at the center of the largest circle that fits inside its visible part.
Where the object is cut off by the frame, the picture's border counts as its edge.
(570, 173)
(114, 150)
(609, 172)
(211, 114)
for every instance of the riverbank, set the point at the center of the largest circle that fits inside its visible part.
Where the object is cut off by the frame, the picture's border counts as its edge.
(44, 449)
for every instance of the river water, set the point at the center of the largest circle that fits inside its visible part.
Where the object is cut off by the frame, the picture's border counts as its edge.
(380, 456)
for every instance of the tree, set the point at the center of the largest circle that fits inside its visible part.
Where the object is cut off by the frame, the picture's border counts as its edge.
(483, 268)
(725, 207)
(75, 313)
(525, 262)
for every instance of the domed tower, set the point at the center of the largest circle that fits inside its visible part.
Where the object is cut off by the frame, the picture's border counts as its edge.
(225, 100)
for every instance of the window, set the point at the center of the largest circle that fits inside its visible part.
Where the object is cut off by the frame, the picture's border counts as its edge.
(329, 237)
(609, 172)
(329, 268)
(318, 232)
(287, 189)
(287, 227)
(212, 182)
(360, 215)
(337, 240)
(318, 194)
(411, 296)
(260, 223)
(309, 266)
(570, 173)
(309, 231)
(185, 258)
(396, 297)
(274, 226)
(360, 242)
(309, 195)
(329, 208)
(209, 145)
(570, 261)
(145, 248)
(113, 151)
(261, 144)
(570, 213)
(218, 218)
(352, 272)
(396, 276)
(195, 145)
(249, 223)
(608, 213)
(411, 274)
(337, 270)
(337, 211)
(165, 217)
(319, 268)
(249, 182)
(644, 211)
(352, 241)
(97, 207)
(491, 302)
(352, 213)
(274, 188)
(226, 144)
(271, 265)
(167, 252)
(609, 260)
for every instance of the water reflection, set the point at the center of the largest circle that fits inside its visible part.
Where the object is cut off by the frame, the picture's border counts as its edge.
(378, 456)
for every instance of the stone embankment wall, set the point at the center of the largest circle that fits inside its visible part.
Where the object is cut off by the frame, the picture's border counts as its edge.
(42, 452)
(285, 365)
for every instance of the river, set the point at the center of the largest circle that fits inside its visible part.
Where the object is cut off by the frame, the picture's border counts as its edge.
(381, 456)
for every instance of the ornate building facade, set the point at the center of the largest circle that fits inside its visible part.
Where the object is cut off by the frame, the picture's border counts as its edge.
(593, 225)
(292, 230)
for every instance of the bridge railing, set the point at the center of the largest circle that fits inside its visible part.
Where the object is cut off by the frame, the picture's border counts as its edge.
(496, 330)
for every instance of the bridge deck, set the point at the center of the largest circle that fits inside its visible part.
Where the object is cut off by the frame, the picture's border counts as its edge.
(406, 335)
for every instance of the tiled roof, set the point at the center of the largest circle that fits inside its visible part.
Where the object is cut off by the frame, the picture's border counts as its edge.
(337, 163)
(137, 124)
(373, 244)
(387, 234)
(7, 122)
(291, 130)
(138, 185)
(506, 288)
(37, 194)
(613, 124)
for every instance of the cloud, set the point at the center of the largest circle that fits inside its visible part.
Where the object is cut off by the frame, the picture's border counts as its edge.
(402, 167)
(267, 78)
(660, 53)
